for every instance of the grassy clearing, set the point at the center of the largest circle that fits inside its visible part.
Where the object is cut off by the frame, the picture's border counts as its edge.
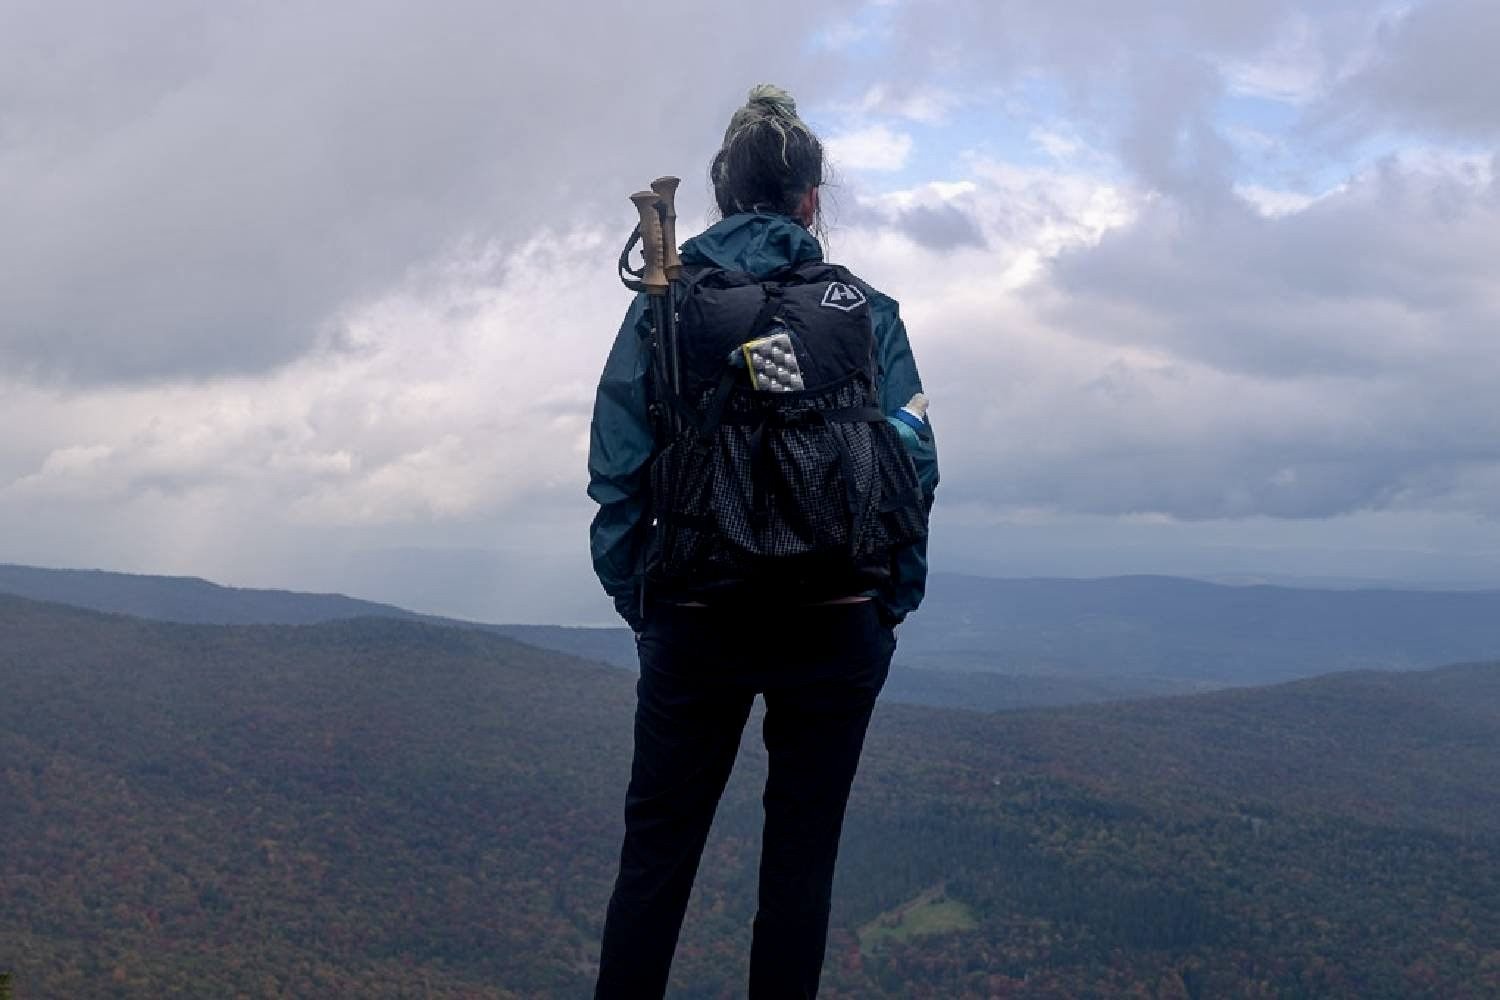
(930, 913)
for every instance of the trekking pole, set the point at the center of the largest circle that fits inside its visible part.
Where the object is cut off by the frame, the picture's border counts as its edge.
(653, 281)
(654, 277)
(665, 189)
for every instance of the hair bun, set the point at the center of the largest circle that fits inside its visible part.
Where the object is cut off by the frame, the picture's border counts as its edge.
(766, 100)
(773, 99)
(769, 160)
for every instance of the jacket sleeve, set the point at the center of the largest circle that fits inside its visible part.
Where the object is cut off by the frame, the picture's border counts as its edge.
(901, 381)
(620, 445)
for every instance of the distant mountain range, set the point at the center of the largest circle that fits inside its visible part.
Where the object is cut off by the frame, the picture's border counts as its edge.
(189, 600)
(976, 642)
(380, 807)
(1190, 630)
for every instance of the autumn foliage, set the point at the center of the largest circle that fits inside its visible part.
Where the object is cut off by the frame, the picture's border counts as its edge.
(387, 808)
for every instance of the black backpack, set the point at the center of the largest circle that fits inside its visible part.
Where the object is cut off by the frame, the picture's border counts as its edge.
(804, 493)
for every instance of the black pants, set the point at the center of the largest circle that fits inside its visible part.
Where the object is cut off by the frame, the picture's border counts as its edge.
(820, 669)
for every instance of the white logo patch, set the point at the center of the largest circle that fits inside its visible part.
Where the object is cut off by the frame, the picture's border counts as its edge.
(843, 297)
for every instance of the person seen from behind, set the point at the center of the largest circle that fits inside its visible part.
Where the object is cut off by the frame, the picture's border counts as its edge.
(768, 545)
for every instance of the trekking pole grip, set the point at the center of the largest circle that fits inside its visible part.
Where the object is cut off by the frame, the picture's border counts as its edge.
(653, 275)
(666, 190)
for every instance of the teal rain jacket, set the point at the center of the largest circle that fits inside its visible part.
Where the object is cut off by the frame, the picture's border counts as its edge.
(621, 442)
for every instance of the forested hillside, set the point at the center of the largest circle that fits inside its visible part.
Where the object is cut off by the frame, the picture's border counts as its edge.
(381, 807)
(977, 642)
(186, 599)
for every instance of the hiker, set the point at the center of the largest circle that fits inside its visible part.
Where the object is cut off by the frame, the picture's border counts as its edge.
(815, 637)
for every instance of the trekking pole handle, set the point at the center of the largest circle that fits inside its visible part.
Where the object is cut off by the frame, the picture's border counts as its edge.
(653, 276)
(666, 189)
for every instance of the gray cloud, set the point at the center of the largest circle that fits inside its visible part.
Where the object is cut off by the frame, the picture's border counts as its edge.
(1370, 279)
(1170, 141)
(929, 218)
(1221, 364)
(1149, 74)
(1090, 43)
(198, 190)
(1324, 361)
(1434, 71)
(940, 227)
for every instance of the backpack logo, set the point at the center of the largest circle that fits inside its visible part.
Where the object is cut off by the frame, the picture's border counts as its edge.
(845, 298)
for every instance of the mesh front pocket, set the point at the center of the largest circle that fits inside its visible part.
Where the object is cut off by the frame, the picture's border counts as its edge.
(681, 496)
(780, 494)
(900, 514)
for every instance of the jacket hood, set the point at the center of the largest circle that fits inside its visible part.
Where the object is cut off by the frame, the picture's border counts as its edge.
(754, 242)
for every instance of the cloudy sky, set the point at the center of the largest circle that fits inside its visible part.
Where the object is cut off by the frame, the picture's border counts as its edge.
(316, 295)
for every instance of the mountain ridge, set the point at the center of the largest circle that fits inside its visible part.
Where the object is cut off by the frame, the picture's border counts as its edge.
(332, 809)
(977, 641)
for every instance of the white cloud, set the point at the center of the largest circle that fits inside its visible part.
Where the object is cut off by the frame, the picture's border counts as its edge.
(1293, 68)
(1271, 202)
(876, 147)
(202, 190)
(1056, 144)
(1105, 351)
(928, 105)
(460, 402)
